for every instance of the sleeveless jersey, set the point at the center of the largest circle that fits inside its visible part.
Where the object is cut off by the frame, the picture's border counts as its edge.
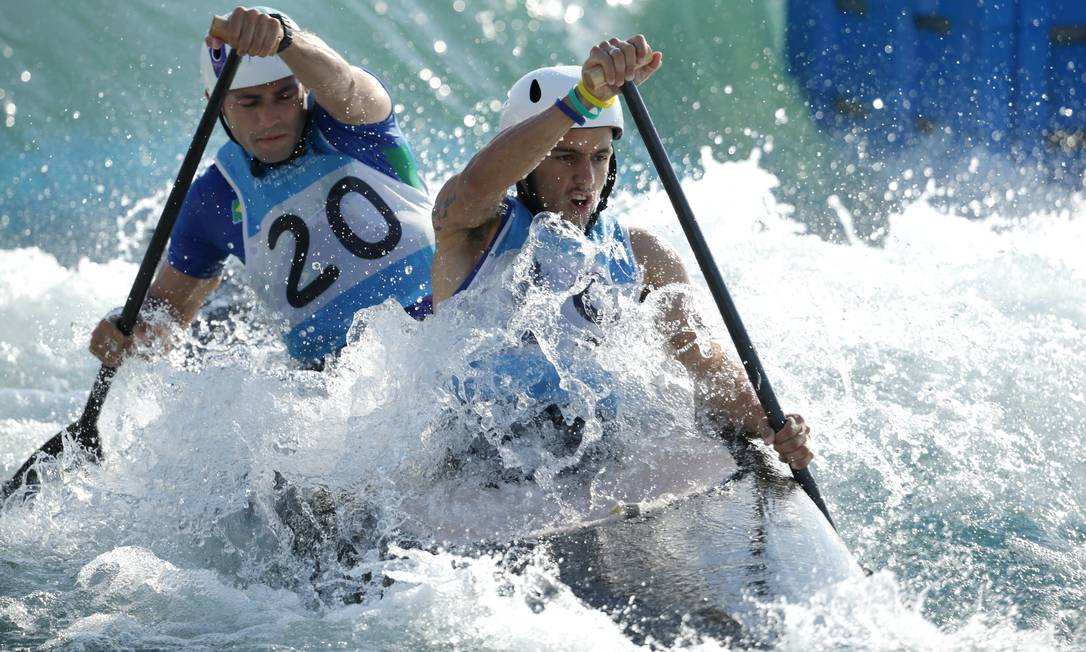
(325, 236)
(561, 256)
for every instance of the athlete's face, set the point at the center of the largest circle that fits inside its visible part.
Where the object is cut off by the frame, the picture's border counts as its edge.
(569, 181)
(267, 120)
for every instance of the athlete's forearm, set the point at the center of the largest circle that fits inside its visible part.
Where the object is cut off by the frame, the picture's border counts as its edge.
(515, 152)
(726, 387)
(722, 381)
(349, 94)
(471, 199)
(179, 295)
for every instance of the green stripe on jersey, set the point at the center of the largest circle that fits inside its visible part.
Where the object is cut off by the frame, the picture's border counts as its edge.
(404, 165)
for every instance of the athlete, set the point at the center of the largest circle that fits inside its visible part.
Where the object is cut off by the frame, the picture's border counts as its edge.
(555, 145)
(316, 192)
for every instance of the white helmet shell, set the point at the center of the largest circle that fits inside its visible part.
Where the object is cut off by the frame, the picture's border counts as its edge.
(535, 92)
(252, 71)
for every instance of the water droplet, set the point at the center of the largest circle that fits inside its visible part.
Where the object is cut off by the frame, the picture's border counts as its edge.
(440, 47)
(25, 76)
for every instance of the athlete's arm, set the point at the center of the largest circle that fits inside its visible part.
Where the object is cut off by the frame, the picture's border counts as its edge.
(471, 199)
(172, 304)
(466, 210)
(729, 390)
(349, 94)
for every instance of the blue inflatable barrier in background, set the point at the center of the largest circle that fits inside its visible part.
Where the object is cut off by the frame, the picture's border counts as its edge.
(947, 75)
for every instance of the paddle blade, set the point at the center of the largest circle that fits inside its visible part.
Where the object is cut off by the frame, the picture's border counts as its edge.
(80, 436)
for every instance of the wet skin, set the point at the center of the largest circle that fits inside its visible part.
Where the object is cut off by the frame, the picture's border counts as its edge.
(569, 181)
(267, 120)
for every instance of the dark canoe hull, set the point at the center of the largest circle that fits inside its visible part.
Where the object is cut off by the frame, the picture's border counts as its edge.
(709, 562)
(713, 563)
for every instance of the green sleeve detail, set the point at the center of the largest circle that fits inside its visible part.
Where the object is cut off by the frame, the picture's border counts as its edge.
(404, 164)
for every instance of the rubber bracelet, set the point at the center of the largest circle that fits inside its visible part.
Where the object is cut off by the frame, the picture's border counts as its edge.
(570, 113)
(592, 99)
(581, 108)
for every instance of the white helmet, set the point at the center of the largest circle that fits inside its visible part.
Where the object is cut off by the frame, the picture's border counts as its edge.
(535, 92)
(252, 71)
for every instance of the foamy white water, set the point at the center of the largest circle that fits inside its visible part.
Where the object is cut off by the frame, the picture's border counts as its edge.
(943, 372)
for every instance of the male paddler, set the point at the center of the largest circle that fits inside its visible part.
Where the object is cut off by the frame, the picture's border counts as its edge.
(316, 192)
(555, 145)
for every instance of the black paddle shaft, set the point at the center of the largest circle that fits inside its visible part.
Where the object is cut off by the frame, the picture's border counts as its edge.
(85, 430)
(138, 294)
(708, 266)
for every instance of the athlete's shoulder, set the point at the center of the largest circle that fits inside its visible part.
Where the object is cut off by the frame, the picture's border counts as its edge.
(211, 182)
(210, 194)
(388, 127)
(659, 261)
(381, 145)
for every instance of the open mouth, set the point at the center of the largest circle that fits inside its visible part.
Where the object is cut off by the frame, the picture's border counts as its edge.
(580, 200)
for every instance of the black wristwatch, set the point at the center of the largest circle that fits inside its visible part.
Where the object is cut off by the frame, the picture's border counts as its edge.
(288, 31)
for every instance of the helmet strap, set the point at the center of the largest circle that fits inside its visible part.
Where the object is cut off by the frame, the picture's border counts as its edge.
(612, 175)
(527, 195)
(226, 127)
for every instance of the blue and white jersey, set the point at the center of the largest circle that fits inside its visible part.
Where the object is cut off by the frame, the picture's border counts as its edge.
(593, 271)
(562, 256)
(344, 226)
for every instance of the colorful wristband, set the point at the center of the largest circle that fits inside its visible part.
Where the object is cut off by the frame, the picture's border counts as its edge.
(581, 108)
(592, 99)
(570, 113)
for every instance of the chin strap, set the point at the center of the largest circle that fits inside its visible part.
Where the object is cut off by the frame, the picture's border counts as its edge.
(612, 175)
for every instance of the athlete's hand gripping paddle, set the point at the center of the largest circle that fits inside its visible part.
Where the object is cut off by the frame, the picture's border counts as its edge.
(84, 432)
(709, 269)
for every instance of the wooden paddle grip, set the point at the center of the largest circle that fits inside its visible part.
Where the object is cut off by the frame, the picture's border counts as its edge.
(220, 28)
(595, 75)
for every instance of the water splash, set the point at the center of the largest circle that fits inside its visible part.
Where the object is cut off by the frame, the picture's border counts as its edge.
(951, 359)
